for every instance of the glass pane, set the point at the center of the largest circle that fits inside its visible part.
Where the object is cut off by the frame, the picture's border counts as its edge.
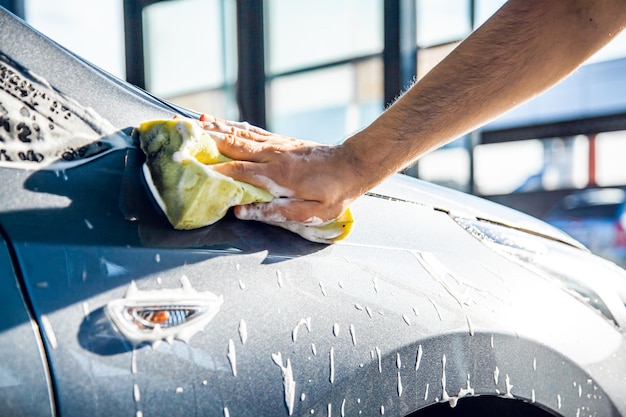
(184, 46)
(307, 33)
(448, 166)
(93, 30)
(217, 102)
(429, 57)
(326, 105)
(531, 165)
(485, 9)
(442, 21)
(610, 151)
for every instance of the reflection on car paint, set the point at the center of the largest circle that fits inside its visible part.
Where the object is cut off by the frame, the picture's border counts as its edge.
(40, 127)
(163, 315)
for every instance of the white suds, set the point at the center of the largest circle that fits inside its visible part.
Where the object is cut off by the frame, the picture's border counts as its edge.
(303, 322)
(288, 382)
(418, 359)
(232, 356)
(243, 331)
(332, 365)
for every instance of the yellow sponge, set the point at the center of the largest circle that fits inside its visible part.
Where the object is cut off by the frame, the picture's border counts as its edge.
(192, 194)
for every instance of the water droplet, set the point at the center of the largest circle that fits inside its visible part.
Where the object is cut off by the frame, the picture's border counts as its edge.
(336, 329)
(343, 408)
(289, 383)
(353, 334)
(157, 258)
(136, 393)
(444, 395)
(323, 289)
(332, 365)
(88, 224)
(426, 392)
(418, 359)
(226, 412)
(509, 386)
(243, 331)
(535, 364)
(179, 390)
(380, 367)
(532, 396)
(232, 356)
(496, 375)
(242, 285)
(133, 362)
(470, 326)
(303, 322)
(279, 278)
(406, 319)
(399, 385)
(398, 361)
(86, 310)
(558, 401)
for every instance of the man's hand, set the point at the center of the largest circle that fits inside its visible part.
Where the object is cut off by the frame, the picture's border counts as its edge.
(312, 183)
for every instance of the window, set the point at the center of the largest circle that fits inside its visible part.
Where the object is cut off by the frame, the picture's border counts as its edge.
(187, 58)
(325, 67)
(531, 165)
(448, 166)
(610, 152)
(304, 34)
(442, 21)
(327, 104)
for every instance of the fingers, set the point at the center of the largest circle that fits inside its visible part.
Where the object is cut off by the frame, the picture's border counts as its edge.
(227, 126)
(255, 174)
(285, 210)
(241, 148)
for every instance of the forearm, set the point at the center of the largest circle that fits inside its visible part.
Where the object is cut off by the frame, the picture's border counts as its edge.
(527, 47)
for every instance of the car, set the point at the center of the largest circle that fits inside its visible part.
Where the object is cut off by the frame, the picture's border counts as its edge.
(438, 303)
(596, 218)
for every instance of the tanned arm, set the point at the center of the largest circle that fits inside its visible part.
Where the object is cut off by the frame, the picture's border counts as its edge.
(524, 49)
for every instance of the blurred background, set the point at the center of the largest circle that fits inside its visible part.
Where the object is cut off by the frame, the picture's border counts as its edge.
(321, 70)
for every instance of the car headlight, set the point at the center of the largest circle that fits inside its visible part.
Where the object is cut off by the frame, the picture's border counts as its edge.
(596, 282)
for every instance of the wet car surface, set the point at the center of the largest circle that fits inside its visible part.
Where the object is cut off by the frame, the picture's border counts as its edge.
(436, 299)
